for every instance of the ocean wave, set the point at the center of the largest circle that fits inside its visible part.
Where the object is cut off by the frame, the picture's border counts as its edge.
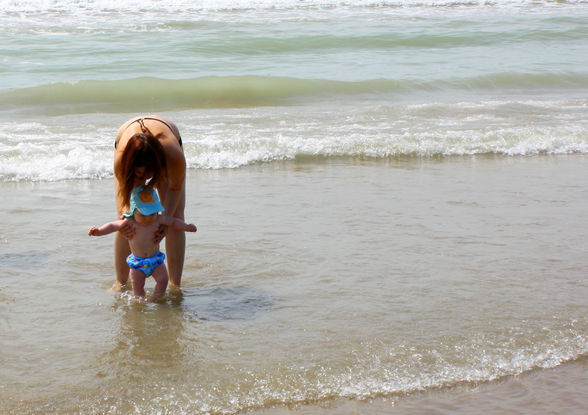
(376, 370)
(75, 159)
(231, 5)
(80, 146)
(156, 94)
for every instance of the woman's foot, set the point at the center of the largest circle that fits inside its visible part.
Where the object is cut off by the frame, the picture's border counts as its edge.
(118, 287)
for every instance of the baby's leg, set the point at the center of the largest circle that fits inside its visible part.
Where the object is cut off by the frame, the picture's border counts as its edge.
(138, 279)
(161, 278)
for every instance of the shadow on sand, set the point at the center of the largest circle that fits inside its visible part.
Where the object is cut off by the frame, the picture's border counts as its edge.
(223, 303)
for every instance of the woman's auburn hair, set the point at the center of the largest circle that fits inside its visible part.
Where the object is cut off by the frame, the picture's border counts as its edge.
(142, 150)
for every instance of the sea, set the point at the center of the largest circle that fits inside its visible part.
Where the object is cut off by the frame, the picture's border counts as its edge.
(391, 199)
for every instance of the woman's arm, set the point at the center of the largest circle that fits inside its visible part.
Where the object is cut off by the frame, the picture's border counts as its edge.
(176, 177)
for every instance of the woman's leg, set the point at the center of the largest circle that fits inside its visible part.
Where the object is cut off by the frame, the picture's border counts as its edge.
(175, 248)
(175, 242)
(121, 252)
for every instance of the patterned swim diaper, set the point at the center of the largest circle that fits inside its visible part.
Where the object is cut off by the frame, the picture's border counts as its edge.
(146, 265)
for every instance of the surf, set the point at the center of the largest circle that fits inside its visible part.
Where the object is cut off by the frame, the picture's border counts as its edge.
(150, 94)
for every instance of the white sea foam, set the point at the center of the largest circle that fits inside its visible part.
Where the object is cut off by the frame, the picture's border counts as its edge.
(175, 5)
(68, 148)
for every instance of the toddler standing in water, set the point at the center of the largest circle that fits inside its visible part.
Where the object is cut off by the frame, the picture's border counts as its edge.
(145, 259)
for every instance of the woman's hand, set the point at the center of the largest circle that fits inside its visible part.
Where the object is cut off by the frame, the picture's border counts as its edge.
(127, 229)
(159, 234)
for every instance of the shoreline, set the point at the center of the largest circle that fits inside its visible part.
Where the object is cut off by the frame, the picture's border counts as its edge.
(539, 391)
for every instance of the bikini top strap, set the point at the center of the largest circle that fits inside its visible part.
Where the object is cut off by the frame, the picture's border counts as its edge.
(143, 128)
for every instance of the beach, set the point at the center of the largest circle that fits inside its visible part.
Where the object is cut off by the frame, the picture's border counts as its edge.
(390, 198)
(439, 284)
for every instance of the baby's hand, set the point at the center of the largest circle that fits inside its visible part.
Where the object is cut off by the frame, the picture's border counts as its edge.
(191, 228)
(93, 231)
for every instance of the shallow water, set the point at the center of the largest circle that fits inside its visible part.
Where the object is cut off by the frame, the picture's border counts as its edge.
(306, 282)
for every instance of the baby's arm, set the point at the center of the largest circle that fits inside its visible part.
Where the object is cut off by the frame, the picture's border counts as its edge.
(106, 228)
(177, 224)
